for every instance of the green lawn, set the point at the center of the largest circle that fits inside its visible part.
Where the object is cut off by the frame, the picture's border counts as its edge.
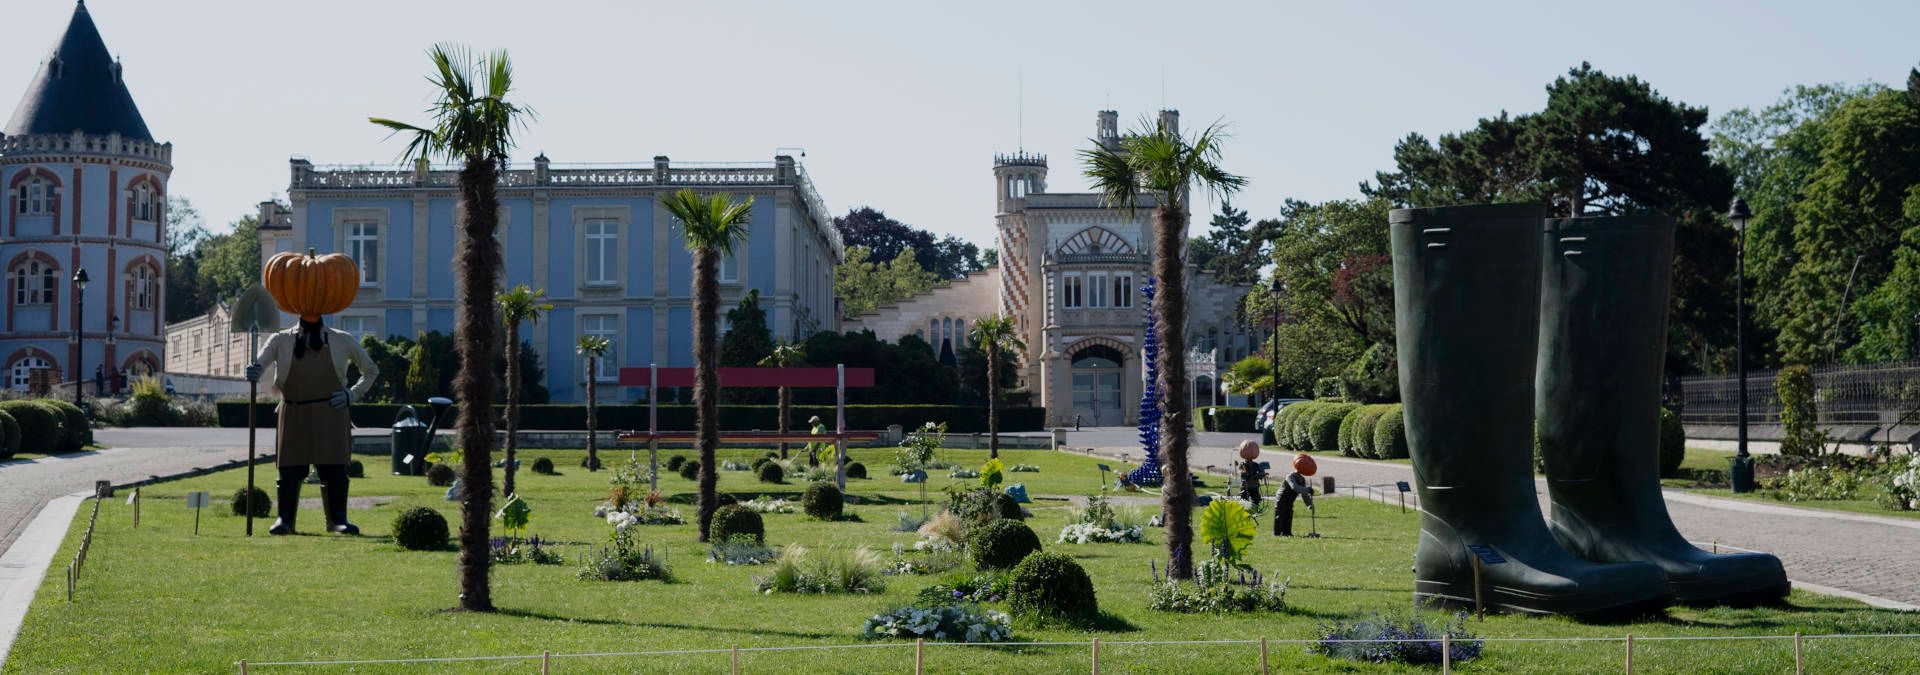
(158, 598)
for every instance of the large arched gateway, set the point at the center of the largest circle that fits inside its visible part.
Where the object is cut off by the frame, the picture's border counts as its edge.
(1097, 385)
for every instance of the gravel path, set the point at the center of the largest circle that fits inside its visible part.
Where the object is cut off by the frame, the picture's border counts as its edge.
(1872, 555)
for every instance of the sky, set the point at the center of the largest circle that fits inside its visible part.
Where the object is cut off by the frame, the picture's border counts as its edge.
(901, 105)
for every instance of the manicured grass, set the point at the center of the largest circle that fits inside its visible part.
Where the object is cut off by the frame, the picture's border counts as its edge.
(160, 599)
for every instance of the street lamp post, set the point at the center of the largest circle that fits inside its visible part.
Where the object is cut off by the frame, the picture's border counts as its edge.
(1740, 473)
(79, 348)
(1273, 335)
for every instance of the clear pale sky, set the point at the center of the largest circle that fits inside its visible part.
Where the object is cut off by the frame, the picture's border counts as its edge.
(901, 105)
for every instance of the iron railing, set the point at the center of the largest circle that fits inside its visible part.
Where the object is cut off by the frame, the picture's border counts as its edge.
(1880, 395)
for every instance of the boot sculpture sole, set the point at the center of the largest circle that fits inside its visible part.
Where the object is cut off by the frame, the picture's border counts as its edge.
(1603, 337)
(1467, 306)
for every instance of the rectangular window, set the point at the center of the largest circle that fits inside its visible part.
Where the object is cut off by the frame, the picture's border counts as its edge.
(144, 289)
(603, 244)
(1070, 291)
(363, 326)
(363, 245)
(606, 326)
(730, 268)
(1096, 290)
(33, 284)
(1123, 290)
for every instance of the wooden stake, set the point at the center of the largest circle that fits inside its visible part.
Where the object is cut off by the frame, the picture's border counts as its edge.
(1096, 656)
(1799, 666)
(243, 667)
(1478, 607)
(1446, 653)
(919, 646)
(1629, 654)
(1263, 656)
(546, 662)
(736, 659)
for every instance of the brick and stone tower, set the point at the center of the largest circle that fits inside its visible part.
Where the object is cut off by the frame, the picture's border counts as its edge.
(86, 187)
(1015, 177)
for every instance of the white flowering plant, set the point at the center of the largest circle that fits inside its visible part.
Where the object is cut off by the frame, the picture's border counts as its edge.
(1900, 483)
(952, 623)
(765, 504)
(1099, 523)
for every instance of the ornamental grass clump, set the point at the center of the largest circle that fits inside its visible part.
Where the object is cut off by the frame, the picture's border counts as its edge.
(800, 570)
(1412, 640)
(953, 623)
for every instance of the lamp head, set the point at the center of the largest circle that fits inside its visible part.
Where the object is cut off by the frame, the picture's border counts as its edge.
(80, 278)
(1739, 214)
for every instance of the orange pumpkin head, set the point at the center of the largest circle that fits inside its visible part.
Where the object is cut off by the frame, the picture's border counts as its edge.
(1304, 464)
(1249, 450)
(311, 285)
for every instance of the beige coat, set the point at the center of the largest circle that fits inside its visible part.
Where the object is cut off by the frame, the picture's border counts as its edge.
(276, 358)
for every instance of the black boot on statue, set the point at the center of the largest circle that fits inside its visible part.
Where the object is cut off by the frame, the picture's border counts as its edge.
(333, 491)
(288, 500)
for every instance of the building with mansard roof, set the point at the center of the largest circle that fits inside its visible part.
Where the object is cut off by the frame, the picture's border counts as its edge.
(1071, 268)
(86, 186)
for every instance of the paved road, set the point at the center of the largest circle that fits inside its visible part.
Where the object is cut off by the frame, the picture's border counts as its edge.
(134, 454)
(1874, 555)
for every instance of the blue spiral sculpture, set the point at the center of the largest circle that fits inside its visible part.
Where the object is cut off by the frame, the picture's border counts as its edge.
(1148, 474)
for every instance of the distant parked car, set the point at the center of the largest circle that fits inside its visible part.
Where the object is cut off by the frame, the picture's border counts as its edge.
(1271, 410)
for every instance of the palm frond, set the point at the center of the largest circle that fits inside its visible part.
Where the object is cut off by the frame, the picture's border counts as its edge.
(468, 125)
(715, 223)
(593, 345)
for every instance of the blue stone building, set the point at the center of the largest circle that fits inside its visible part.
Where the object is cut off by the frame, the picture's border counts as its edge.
(86, 187)
(596, 238)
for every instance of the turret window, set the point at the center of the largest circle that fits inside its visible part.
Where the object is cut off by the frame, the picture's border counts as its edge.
(33, 283)
(36, 197)
(145, 289)
(142, 206)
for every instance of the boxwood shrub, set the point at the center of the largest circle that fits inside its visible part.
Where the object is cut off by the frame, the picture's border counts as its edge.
(1366, 422)
(1001, 543)
(823, 501)
(9, 436)
(1324, 427)
(1053, 586)
(262, 505)
(1223, 418)
(76, 431)
(1673, 442)
(1390, 434)
(420, 529)
(1347, 426)
(734, 521)
(39, 425)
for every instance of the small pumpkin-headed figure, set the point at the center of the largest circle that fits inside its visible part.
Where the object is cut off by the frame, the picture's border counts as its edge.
(1294, 486)
(307, 365)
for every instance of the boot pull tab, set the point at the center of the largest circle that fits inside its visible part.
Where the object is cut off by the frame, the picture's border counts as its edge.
(1436, 231)
(1572, 240)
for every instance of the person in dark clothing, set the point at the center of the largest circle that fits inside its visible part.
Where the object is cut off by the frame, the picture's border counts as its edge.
(1294, 486)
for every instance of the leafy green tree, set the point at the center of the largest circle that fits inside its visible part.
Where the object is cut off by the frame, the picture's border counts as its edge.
(948, 257)
(518, 305)
(1158, 167)
(974, 389)
(748, 342)
(904, 372)
(423, 372)
(714, 226)
(1251, 376)
(594, 347)
(391, 357)
(864, 285)
(1235, 248)
(473, 122)
(996, 334)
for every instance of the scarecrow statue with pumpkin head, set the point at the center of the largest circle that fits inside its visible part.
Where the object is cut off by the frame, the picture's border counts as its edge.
(307, 365)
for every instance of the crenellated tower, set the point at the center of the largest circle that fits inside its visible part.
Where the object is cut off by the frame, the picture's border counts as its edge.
(1016, 176)
(86, 189)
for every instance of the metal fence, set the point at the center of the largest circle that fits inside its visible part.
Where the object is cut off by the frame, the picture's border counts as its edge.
(1879, 396)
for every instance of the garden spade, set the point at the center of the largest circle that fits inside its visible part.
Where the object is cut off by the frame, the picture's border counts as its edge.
(1313, 518)
(251, 310)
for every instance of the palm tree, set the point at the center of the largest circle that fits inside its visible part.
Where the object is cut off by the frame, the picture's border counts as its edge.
(472, 123)
(1156, 166)
(713, 226)
(995, 334)
(594, 347)
(520, 304)
(785, 354)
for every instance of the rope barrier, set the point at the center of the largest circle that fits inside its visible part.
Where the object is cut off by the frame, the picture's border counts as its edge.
(917, 645)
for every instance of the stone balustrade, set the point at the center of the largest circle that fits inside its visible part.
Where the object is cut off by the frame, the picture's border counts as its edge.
(87, 144)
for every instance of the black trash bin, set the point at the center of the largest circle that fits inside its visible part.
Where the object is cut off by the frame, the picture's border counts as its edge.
(409, 443)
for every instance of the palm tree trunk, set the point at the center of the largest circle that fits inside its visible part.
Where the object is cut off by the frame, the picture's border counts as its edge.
(476, 336)
(706, 390)
(1169, 267)
(513, 404)
(786, 409)
(993, 400)
(593, 402)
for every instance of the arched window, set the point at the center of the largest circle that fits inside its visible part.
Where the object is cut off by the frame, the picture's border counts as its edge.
(36, 197)
(144, 288)
(142, 202)
(22, 371)
(33, 283)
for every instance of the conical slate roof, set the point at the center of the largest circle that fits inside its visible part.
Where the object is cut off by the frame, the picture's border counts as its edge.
(79, 87)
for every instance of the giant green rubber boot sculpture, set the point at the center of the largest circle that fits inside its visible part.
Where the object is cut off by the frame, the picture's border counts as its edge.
(1467, 305)
(1603, 337)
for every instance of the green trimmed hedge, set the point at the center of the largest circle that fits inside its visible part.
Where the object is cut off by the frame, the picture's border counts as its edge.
(1365, 421)
(1673, 443)
(9, 436)
(40, 425)
(562, 417)
(1390, 435)
(1223, 418)
(76, 431)
(1324, 428)
(1288, 425)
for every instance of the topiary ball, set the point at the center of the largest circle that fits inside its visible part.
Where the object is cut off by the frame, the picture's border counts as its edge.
(759, 462)
(356, 470)
(823, 501)
(75, 430)
(675, 462)
(736, 521)
(772, 472)
(1390, 435)
(440, 475)
(690, 470)
(1005, 506)
(543, 466)
(1001, 543)
(420, 529)
(1673, 443)
(262, 506)
(1052, 585)
(589, 463)
(39, 430)
(9, 436)
(856, 470)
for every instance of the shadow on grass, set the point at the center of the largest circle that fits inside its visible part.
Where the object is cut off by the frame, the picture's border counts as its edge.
(754, 630)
